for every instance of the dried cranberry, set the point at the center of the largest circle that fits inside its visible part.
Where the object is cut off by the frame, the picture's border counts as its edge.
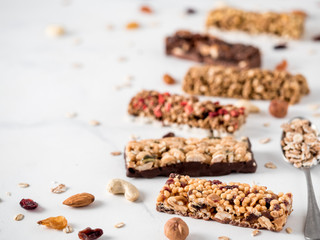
(161, 99)
(191, 11)
(157, 111)
(183, 103)
(168, 107)
(216, 182)
(90, 234)
(276, 207)
(173, 175)
(28, 204)
(316, 38)
(188, 109)
(280, 46)
(213, 114)
(229, 186)
(183, 184)
(170, 181)
(234, 113)
(169, 134)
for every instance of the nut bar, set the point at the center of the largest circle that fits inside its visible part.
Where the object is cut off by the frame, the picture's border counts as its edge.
(290, 25)
(187, 110)
(192, 156)
(235, 203)
(246, 84)
(211, 50)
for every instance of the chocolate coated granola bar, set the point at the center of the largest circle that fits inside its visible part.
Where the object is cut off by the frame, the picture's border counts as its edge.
(235, 203)
(289, 25)
(192, 156)
(187, 110)
(211, 50)
(246, 84)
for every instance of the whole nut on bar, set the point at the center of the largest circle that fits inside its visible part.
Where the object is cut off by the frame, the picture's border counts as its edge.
(79, 200)
(278, 108)
(176, 229)
(120, 186)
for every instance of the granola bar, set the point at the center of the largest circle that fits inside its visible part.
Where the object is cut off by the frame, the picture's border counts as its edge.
(211, 50)
(235, 203)
(192, 156)
(187, 110)
(289, 25)
(300, 143)
(246, 84)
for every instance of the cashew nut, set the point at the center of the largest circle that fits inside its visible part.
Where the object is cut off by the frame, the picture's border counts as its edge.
(120, 186)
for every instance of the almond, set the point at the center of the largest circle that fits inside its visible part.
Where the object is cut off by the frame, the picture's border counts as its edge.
(79, 200)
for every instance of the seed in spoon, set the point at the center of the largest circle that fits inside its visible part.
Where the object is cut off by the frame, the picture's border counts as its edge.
(270, 165)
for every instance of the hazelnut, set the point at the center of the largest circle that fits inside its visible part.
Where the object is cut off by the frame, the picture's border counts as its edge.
(278, 108)
(176, 229)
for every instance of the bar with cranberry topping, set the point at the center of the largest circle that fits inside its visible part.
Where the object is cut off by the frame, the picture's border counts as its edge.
(192, 156)
(187, 110)
(290, 25)
(211, 50)
(252, 83)
(234, 203)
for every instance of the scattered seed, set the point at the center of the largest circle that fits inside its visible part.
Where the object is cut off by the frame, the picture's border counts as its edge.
(316, 115)
(23, 185)
(115, 153)
(19, 217)
(255, 232)
(54, 30)
(264, 140)
(77, 65)
(94, 123)
(122, 59)
(270, 165)
(119, 225)
(8, 194)
(71, 115)
(146, 9)
(314, 107)
(280, 46)
(282, 66)
(289, 230)
(59, 189)
(266, 124)
(316, 38)
(223, 238)
(132, 25)
(68, 229)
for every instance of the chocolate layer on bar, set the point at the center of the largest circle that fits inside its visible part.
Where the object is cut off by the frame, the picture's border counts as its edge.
(187, 110)
(235, 203)
(192, 156)
(211, 50)
(246, 84)
(289, 25)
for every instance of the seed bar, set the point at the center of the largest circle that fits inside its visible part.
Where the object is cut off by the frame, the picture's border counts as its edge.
(246, 84)
(187, 110)
(191, 156)
(211, 50)
(290, 25)
(235, 203)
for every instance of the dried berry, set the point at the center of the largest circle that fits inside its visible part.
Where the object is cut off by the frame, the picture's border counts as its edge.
(280, 46)
(58, 223)
(316, 38)
(191, 11)
(132, 25)
(28, 204)
(146, 9)
(282, 66)
(278, 108)
(90, 234)
(168, 79)
(169, 134)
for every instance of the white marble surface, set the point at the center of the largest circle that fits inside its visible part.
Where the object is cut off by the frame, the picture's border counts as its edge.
(39, 85)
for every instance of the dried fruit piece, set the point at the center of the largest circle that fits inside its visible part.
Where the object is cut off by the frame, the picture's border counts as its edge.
(289, 230)
(132, 25)
(79, 200)
(169, 134)
(28, 204)
(58, 223)
(176, 229)
(190, 11)
(19, 217)
(116, 153)
(282, 66)
(90, 234)
(316, 38)
(59, 189)
(278, 108)
(280, 46)
(270, 165)
(146, 9)
(119, 225)
(266, 124)
(168, 79)
(68, 229)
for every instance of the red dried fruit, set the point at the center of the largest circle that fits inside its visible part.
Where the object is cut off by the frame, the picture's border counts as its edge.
(146, 9)
(278, 108)
(28, 204)
(188, 109)
(161, 99)
(282, 66)
(169, 134)
(168, 107)
(213, 114)
(157, 111)
(90, 234)
(234, 113)
(183, 103)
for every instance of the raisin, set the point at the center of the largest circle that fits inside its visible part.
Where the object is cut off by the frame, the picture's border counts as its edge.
(168, 79)
(58, 223)
(28, 204)
(280, 46)
(316, 38)
(169, 134)
(169, 181)
(216, 182)
(191, 11)
(90, 234)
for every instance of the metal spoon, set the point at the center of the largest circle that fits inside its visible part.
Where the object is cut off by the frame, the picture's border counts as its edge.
(312, 224)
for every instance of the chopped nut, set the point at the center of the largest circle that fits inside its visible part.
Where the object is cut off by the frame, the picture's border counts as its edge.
(289, 230)
(146, 9)
(255, 232)
(270, 165)
(68, 229)
(266, 124)
(264, 140)
(132, 25)
(71, 115)
(24, 185)
(59, 189)
(251, 108)
(54, 30)
(94, 123)
(282, 66)
(116, 153)
(223, 238)
(19, 217)
(119, 225)
(168, 79)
